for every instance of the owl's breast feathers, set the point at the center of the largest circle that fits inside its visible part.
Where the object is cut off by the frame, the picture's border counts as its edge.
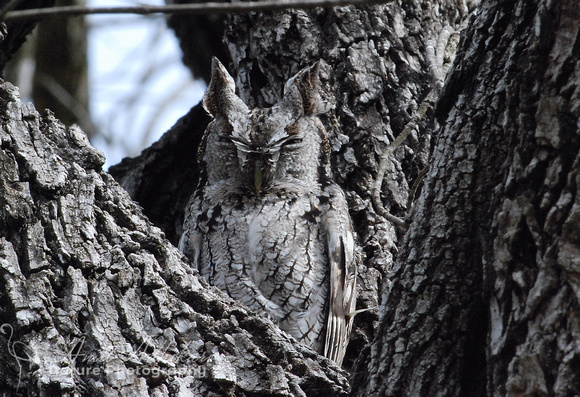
(288, 254)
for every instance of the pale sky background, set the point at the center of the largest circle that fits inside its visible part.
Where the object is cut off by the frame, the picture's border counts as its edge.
(138, 85)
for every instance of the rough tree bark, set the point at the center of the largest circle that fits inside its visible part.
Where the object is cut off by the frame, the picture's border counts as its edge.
(484, 296)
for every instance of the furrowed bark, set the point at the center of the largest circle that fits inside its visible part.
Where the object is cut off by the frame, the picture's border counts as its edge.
(484, 295)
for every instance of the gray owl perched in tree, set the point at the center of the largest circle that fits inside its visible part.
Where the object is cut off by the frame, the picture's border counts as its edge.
(267, 225)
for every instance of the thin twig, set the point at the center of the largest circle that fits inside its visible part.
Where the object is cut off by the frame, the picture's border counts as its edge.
(388, 152)
(436, 55)
(199, 8)
(7, 7)
(415, 186)
(442, 42)
(435, 58)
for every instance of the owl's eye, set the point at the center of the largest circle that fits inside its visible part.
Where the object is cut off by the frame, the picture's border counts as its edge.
(292, 141)
(224, 139)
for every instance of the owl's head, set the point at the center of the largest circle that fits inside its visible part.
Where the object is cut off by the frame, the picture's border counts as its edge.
(261, 148)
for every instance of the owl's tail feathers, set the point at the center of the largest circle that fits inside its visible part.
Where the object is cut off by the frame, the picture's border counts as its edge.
(340, 320)
(342, 294)
(337, 334)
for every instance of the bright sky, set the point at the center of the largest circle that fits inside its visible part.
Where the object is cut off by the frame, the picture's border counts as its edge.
(138, 85)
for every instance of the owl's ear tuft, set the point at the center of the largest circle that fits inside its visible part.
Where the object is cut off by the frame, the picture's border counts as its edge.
(220, 99)
(305, 87)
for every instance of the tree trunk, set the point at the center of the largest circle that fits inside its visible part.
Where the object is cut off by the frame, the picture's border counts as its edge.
(201, 38)
(484, 297)
(13, 34)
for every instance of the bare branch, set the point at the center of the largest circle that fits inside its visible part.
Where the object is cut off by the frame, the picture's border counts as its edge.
(435, 56)
(199, 8)
(415, 186)
(7, 7)
(388, 152)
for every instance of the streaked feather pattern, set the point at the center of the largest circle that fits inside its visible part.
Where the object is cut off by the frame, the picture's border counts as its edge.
(267, 224)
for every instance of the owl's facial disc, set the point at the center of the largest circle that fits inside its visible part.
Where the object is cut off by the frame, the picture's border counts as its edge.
(257, 163)
(259, 142)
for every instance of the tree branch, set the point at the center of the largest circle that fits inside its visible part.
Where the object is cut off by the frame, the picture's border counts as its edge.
(7, 7)
(199, 8)
(435, 55)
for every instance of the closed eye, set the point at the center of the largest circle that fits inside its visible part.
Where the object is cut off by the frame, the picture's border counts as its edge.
(293, 141)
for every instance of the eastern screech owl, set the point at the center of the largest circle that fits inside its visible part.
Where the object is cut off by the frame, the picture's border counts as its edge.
(267, 225)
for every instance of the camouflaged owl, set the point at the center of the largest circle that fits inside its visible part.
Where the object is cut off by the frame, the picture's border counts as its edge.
(267, 224)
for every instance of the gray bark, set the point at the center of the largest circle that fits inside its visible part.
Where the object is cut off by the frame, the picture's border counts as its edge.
(96, 301)
(484, 294)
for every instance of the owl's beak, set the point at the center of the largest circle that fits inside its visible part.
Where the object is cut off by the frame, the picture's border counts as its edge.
(258, 177)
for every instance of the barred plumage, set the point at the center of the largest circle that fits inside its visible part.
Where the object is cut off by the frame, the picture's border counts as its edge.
(267, 224)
